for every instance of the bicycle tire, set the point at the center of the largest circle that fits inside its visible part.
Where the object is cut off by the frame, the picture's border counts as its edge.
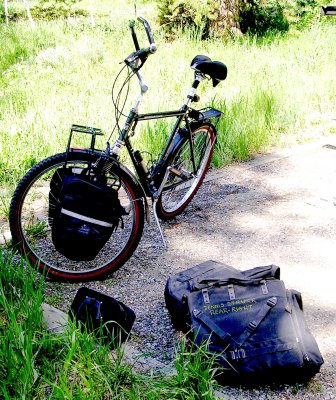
(178, 192)
(31, 232)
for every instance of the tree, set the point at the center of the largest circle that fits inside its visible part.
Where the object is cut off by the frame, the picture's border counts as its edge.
(227, 16)
(92, 13)
(209, 16)
(32, 23)
(6, 11)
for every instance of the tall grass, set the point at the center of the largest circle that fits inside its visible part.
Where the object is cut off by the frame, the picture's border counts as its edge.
(61, 73)
(37, 364)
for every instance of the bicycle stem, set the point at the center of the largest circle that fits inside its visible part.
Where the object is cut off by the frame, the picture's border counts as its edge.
(143, 90)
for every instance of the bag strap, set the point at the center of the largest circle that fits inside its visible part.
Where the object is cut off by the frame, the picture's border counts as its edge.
(213, 283)
(251, 327)
(264, 272)
(224, 336)
(237, 353)
(248, 277)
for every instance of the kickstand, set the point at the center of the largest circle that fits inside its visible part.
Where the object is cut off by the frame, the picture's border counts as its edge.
(158, 224)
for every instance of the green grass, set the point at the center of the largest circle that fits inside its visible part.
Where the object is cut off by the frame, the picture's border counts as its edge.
(37, 364)
(62, 71)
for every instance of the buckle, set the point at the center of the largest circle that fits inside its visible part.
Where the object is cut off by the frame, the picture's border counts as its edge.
(271, 302)
(236, 354)
(206, 297)
(231, 291)
(196, 312)
(264, 288)
(251, 327)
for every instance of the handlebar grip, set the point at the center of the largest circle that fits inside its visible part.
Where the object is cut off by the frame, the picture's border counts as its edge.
(142, 54)
(148, 30)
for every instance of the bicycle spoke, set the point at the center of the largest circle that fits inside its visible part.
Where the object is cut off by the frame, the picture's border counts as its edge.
(178, 192)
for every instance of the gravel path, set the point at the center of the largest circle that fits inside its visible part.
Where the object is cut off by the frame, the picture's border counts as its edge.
(277, 209)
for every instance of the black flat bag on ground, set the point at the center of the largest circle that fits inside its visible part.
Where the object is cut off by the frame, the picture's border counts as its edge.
(253, 325)
(82, 213)
(103, 315)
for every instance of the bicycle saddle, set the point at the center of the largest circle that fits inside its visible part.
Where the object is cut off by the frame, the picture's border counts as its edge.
(215, 69)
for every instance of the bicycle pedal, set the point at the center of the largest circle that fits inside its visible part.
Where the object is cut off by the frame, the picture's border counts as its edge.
(175, 171)
(185, 175)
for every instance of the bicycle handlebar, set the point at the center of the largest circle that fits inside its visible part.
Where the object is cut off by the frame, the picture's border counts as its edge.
(143, 53)
(148, 30)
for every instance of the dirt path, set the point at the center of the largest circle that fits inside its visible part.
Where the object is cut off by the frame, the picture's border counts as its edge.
(276, 209)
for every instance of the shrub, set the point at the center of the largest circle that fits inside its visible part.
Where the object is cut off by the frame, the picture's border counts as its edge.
(260, 19)
(56, 9)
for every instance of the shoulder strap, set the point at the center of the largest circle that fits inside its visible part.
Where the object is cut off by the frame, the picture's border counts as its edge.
(253, 325)
(208, 322)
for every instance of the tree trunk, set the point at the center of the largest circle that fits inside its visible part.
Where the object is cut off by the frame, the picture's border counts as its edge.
(92, 13)
(227, 17)
(32, 23)
(6, 11)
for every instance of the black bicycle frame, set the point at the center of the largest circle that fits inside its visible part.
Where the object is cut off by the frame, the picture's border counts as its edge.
(152, 181)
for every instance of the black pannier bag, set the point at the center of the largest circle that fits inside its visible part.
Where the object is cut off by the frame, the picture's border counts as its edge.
(253, 325)
(82, 214)
(103, 315)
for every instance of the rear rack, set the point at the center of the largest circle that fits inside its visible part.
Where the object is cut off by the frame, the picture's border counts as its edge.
(84, 129)
(204, 114)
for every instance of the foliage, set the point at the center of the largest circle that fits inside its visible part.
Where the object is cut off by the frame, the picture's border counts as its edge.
(20, 329)
(196, 371)
(258, 19)
(254, 16)
(302, 13)
(56, 9)
(175, 15)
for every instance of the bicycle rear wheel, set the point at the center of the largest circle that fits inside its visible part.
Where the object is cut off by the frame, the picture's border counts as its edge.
(31, 232)
(180, 189)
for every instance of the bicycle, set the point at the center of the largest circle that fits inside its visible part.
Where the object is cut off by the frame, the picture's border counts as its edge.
(170, 183)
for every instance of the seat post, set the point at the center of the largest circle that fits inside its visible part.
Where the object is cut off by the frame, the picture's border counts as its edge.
(198, 79)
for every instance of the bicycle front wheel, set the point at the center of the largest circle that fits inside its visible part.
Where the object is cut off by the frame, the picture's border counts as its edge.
(182, 186)
(31, 232)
